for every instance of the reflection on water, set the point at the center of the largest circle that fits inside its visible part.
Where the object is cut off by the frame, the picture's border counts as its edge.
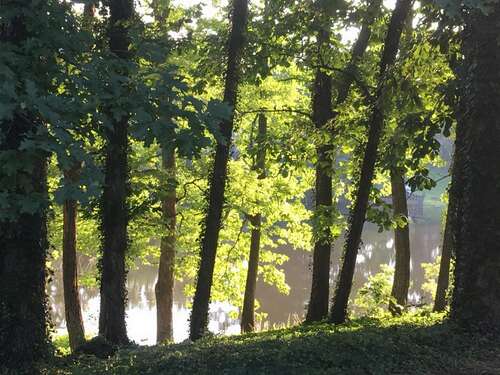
(377, 249)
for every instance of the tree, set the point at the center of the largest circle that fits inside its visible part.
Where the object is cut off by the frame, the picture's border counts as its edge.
(376, 122)
(23, 187)
(401, 283)
(114, 214)
(324, 118)
(248, 311)
(443, 281)
(72, 307)
(476, 235)
(322, 113)
(164, 288)
(212, 222)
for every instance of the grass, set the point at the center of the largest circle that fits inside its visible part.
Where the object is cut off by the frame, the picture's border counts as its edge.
(414, 344)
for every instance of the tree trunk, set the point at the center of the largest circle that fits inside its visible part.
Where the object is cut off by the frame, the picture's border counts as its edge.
(23, 249)
(248, 312)
(476, 300)
(72, 307)
(358, 213)
(164, 289)
(23, 236)
(212, 222)
(401, 282)
(114, 200)
(444, 268)
(322, 114)
(454, 195)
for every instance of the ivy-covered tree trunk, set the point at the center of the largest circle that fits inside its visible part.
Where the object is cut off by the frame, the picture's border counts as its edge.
(358, 212)
(213, 217)
(23, 249)
(476, 229)
(248, 312)
(322, 115)
(401, 282)
(23, 235)
(114, 215)
(164, 288)
(72, 307)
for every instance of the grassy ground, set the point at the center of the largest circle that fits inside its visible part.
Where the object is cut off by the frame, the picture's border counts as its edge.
(416, 344)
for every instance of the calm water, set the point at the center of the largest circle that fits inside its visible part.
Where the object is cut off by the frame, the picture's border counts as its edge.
(377, 249)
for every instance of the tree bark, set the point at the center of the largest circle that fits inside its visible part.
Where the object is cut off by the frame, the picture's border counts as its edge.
(358, 213)
(248, 312)
(23, 236)
(164, 288)
(322, 114)
(114, 213)
(401, 282)
(72, 307)
(212, 222)
(476, 300)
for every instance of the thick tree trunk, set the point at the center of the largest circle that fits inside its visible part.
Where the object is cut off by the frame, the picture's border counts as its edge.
(444, 268)
(23, 248)
(114, 200)
(358, 213)
(164, 289)
(72, 307)
(23, 237)
(212, 222)
(476, 300)
(401, 282)
(322, 114)
(248, 312)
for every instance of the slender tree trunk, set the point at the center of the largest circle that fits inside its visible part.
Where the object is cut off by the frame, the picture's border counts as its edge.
(72, 307)
(212, 223)
(358, 213)
(444, 268)
(23, 236)
(322, 114)
(248, 312)
(114, 200)
(476, 300)
(164, 289)
(401, 282)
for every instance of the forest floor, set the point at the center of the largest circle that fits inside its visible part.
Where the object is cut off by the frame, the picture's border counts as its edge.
(415, 344)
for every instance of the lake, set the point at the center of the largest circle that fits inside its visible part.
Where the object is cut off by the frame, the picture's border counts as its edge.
(377, 249)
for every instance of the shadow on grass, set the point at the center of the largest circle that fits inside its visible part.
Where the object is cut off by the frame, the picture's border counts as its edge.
(360, 347)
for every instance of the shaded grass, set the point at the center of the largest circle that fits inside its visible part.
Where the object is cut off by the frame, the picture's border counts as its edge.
(414, 344)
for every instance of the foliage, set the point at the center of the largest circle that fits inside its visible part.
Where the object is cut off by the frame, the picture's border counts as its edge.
(374, 297)
(431, 272)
